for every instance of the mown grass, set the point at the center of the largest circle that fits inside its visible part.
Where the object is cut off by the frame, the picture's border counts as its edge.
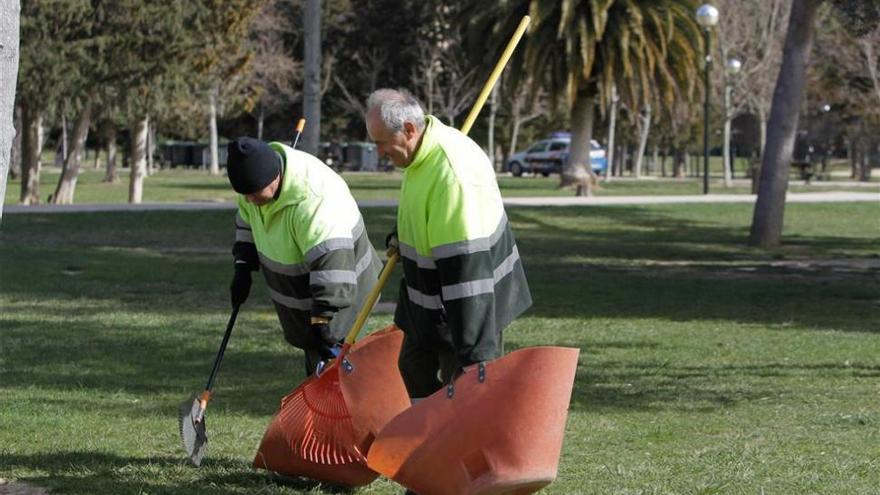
(705, 367)
(186, 185)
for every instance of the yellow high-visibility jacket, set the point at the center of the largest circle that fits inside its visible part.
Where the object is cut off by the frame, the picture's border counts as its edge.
(312, 247)
(463, 277)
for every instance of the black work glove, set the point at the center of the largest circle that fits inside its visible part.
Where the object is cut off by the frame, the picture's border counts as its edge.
(241, 285)
(326, 341)
(322, 331)
(392, 244)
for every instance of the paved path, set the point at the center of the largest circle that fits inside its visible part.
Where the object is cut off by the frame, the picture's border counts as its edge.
(809, 197)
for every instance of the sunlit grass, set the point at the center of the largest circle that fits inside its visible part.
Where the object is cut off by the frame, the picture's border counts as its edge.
(705, 367)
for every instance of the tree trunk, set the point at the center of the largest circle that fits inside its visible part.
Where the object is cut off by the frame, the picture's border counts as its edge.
(9, 41)
(311, 75)
(111, 175)
(663, 163)
(678, 163)
(728, 118)
(15, 154)
(261, 117)
(767, 221)
(66, 187)
(865, 168)
(212, 125)
(654, 157)
(645, 128)
(762, 132)
(31, 147)
(61, 148)
(612, 125)
(151, 147)
(577, 171)
(138, 160)
(493, 110)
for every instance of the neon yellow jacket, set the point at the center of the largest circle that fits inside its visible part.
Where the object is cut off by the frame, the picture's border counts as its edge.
(463, 277)
(312, 246)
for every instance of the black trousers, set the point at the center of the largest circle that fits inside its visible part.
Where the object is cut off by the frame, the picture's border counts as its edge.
(427, 368)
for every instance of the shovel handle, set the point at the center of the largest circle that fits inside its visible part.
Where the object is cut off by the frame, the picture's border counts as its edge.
(206, 395)
(371, 299)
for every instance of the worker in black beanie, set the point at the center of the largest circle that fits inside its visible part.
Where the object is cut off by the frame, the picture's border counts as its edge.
(299, 224)
(251, 165)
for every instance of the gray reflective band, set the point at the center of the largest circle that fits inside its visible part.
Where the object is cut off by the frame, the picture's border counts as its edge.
(290, 302)
(506, 266)
(411, 254)
(471, 245)
(424, 300)
(325, 247)
(364, 262)
(468, 289)
(358, 229)
(332, 277)
(243, 235)
(329, 245)
(482, 286)
(282, 268)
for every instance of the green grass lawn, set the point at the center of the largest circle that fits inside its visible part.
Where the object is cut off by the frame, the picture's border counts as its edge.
(185, 185)
(705, 367)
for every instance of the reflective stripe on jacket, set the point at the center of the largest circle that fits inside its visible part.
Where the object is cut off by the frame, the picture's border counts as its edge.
(311, 244)
(463, 277)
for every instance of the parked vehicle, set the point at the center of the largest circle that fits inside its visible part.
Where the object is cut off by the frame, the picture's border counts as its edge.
(549, 155)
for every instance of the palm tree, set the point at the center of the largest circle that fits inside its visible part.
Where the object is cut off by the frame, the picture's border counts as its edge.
(580, 50)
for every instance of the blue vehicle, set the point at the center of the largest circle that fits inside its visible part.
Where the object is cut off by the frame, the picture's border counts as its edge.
(548, 156)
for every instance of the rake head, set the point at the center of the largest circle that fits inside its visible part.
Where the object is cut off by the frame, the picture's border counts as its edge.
(317, 423)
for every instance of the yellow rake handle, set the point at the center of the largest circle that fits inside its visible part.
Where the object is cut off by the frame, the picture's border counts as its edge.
(372, 297)
(499, 67)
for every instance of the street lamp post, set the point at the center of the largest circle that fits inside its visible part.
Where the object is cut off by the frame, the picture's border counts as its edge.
(707, 16)
(733, 68)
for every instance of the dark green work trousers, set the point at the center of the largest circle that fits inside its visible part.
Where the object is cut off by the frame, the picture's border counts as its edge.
(426, 369)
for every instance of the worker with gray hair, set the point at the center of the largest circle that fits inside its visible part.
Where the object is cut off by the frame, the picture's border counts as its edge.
(463, 281)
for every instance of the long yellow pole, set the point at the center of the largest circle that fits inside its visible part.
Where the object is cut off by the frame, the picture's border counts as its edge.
(499, 67)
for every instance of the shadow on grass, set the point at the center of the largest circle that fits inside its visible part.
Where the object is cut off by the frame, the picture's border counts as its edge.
(632, 386)
(36, 250)
(90, 472)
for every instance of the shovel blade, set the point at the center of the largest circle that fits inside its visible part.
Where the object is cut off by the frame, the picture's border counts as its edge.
(192, 432)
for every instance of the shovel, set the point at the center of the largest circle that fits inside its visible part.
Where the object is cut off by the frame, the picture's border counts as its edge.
(192, 411)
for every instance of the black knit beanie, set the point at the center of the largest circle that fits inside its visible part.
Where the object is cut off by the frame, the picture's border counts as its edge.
(251, 165)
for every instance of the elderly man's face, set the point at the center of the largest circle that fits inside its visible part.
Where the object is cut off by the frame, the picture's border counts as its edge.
(399, 147)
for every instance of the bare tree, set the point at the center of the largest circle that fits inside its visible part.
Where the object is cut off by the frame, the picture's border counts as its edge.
(523, 109)
(770, 207)
(311, 75)
(612, 127)
(368, 64)
(10, 11)
(15, 154)
(754, 35)
(138, 159)
(66, 187)
(644, 127)
(275, 71)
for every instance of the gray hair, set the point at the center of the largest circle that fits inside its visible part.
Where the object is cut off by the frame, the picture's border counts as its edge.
(396, 106)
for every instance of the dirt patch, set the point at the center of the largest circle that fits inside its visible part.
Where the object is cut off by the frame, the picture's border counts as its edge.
(15, 488)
